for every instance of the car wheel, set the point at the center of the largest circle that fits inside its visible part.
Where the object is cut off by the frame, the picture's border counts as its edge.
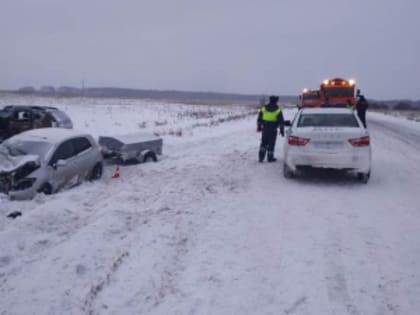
(363, 177)
(287, 172)
(96, 172)
(150, 157)
(45, 189)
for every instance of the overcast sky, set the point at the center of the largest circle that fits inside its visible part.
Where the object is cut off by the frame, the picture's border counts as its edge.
(244, 46)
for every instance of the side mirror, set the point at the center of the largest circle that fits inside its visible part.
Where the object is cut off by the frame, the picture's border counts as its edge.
(60, 163)
(287, 123)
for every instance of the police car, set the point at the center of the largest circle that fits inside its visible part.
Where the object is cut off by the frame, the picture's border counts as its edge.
(332, 138)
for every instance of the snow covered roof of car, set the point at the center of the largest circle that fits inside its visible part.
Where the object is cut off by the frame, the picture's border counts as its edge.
(30, 107)
(51, 135)
(326, 110)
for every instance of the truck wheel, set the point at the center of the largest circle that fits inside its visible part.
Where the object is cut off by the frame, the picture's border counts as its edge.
(149, 157)
(45, 189)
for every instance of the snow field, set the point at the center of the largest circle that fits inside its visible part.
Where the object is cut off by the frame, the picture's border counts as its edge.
(209, 230)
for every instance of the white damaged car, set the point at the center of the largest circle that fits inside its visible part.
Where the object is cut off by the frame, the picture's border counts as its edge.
(46, 161)
(331, 138)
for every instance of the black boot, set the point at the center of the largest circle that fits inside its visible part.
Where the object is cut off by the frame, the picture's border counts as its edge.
(261, 155)
(271, 158)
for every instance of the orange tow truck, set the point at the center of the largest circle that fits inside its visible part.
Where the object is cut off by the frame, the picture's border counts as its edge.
(310, 98)
(338, 92)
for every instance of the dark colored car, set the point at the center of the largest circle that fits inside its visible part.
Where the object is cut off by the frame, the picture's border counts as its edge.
(15, 119)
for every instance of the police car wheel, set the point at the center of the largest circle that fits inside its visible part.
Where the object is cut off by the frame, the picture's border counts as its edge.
(150, 157)
(287, 172)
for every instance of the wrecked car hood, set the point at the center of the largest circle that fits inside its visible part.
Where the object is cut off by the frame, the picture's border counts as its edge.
(10, 163)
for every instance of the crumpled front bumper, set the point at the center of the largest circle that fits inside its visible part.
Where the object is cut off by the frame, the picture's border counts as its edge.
(5, 183)
(23, 194)
(6, 187)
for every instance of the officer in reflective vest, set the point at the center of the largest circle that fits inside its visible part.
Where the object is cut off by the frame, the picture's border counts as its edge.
(270, 118)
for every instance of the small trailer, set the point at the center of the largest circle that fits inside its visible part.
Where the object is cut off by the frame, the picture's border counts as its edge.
(137, 147)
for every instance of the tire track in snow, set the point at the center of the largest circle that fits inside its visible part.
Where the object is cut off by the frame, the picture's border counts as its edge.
(181, 228)
(91, 198)
(95, 203)
(99, 287)
(386, 288)
(50, 228)
(338, 293)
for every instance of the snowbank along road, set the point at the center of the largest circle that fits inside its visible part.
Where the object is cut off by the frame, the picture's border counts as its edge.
(209, 230)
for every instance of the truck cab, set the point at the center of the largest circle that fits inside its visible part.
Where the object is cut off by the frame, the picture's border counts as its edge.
(338, 93)
(310, 98)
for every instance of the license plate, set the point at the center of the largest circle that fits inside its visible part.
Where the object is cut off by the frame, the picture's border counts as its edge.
(328, 145)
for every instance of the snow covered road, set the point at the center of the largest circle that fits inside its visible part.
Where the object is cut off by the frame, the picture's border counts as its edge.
(208, 230)
(404, 132)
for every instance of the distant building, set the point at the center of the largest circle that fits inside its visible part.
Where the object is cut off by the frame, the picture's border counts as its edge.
(26, 89)
(68, 90)
(47, 89)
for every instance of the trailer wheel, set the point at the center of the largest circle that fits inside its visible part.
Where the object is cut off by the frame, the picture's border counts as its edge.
(363, 177)
(139, 157)
(149, 157)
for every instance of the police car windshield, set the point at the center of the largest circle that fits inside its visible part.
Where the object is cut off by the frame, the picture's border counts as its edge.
(327, 120)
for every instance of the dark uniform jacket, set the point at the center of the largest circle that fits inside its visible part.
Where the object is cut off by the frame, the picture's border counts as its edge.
(362, 105)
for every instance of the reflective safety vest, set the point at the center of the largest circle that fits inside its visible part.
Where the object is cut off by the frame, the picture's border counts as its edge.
(270, 116)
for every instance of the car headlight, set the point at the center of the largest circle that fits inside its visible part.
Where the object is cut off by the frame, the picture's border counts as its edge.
(25, 170)
(24, 183)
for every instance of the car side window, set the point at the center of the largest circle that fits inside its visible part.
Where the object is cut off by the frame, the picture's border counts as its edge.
(22, 115)
(37, 114)
(81, 144)
(63, 152)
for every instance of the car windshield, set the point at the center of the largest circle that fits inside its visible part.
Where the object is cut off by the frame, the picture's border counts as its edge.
(59, 116)
(4, 114)
(4, 150)
(17, 148)
(311, 96)
(327, 120)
